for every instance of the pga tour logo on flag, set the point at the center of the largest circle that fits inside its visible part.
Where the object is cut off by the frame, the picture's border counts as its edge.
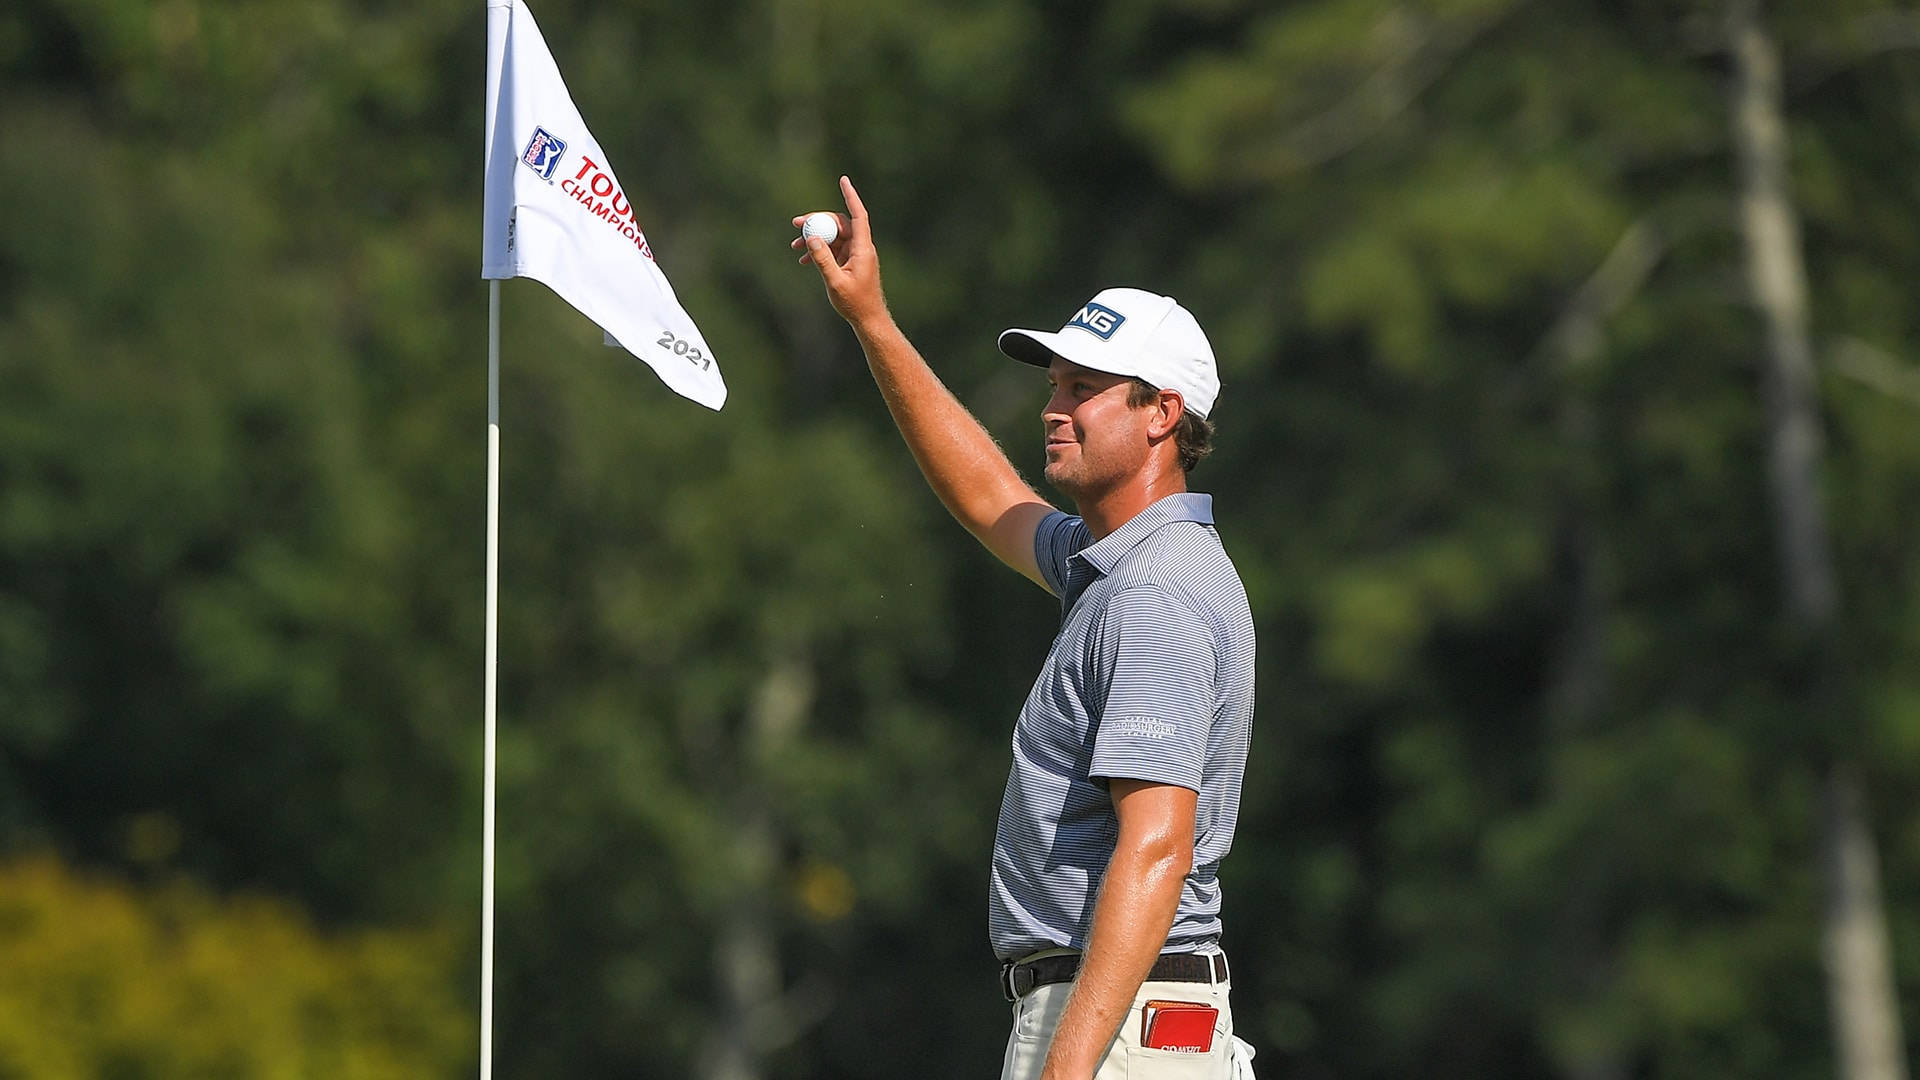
(1097, 319)
(543, 153)
(555, 213)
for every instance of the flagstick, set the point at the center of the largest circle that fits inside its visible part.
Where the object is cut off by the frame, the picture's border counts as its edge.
(493, 633)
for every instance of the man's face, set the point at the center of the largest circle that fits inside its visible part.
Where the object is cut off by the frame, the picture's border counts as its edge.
(1094, 438)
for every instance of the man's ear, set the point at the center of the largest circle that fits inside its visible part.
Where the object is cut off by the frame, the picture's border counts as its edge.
(1168, 408)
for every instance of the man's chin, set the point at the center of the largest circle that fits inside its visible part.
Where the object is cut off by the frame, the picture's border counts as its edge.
(1064, 478)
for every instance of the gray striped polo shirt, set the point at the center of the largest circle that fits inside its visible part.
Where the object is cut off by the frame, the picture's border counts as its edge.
(1150, 678)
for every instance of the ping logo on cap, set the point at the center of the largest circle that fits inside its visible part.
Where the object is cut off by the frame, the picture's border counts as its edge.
(1097, 319)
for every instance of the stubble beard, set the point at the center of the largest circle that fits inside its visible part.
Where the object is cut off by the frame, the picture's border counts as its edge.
(1075, 479)
(1060, 478)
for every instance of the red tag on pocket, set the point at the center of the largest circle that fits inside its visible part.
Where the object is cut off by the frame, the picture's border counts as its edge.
(1184, 1026)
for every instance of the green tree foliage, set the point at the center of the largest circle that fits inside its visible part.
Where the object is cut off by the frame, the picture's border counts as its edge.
(1532, 562)
(1532, 790)
(101, 979)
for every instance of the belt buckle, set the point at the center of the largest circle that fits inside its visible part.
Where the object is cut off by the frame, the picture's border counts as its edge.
(1013, 986)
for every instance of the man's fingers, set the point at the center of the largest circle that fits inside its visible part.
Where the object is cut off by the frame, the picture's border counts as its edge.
(854, 206)
(836, 257)
(857, 210)
(843, 233)
(822, 256)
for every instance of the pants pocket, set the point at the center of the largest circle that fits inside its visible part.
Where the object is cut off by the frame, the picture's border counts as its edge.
(1145, 1064)
(1240, 1053)
(1039, 1012)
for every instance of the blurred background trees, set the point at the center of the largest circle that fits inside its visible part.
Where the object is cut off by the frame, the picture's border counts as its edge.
(1543, 738)
(106, 980)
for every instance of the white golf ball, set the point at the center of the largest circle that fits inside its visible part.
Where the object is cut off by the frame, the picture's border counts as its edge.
(823, 225)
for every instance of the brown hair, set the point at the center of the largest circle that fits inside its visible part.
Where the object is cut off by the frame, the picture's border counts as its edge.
(1193, 436)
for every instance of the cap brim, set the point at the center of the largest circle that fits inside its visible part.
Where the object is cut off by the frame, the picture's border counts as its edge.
(1040, 347)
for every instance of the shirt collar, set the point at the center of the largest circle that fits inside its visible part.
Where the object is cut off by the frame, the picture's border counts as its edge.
(1180, 506)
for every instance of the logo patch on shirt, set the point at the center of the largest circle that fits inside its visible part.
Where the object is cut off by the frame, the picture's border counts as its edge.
(1097, 319)
(543, 153)
(1141, 727)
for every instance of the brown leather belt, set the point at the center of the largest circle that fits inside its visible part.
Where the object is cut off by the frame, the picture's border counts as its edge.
(1018, 978)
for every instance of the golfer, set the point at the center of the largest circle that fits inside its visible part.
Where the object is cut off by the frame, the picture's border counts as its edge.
(1104, 902)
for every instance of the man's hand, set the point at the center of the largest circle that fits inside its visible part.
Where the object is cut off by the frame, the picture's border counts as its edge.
(962, 463)
(849, 266)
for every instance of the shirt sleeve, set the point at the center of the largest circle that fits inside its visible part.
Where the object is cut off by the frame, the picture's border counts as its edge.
(1158, 713)
(1059, 537)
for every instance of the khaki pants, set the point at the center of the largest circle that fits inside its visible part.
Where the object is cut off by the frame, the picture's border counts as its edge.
(1036, 1015)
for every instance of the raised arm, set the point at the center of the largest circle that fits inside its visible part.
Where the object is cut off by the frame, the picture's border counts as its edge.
(961, 462)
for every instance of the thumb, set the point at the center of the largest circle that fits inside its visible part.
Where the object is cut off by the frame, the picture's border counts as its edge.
(822, 255)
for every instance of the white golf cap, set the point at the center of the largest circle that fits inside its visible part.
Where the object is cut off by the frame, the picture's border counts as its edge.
(1130, 332)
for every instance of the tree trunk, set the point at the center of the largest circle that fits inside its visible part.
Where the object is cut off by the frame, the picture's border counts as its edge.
(1860, 989)
(1577, 686)
(1866, 1016)
(747, 963)
(756, 1014)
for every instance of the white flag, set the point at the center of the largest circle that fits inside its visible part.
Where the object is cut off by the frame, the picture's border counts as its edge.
(556, 213)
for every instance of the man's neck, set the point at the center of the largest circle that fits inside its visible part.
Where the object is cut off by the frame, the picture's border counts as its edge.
(1113, 508)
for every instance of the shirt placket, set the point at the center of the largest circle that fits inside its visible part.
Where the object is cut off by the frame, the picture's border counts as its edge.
(1080, 574)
